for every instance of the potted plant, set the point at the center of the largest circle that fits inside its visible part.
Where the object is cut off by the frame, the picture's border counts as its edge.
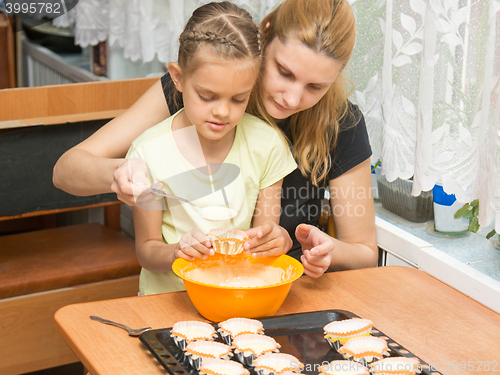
(471, 211)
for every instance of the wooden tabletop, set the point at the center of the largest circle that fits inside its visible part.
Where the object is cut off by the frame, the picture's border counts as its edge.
(442, 326)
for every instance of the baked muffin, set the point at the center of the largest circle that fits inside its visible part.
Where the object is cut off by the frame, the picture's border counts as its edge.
(233, 327)
(210, 366)
(277, 364)
(185, 332)
(339, 331)
(249, 346)
(198, 351)
(343, 367)
(364, 349)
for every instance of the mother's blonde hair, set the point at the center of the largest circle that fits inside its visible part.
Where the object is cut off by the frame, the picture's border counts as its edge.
(324, 26)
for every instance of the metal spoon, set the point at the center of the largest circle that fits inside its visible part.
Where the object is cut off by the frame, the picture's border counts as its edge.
(131, 331)
(211, 213)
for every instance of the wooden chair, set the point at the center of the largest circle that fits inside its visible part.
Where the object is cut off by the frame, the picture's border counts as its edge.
(42, 270)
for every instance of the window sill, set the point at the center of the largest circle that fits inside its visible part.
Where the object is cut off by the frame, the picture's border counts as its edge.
(470, 264)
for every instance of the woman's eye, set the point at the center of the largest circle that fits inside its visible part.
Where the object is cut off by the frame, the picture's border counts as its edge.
(283, 73)
(204, 98)
(314, 87)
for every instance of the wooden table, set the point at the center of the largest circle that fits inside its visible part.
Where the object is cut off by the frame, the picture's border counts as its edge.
(435, 322)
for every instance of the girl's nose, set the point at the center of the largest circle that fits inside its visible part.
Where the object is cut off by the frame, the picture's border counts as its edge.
(221, 110)
(292, 96)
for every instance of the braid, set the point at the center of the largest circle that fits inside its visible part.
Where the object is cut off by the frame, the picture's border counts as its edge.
(207, 36)
(224, 30)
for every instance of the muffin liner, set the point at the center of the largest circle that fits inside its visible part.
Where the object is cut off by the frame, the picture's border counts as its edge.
(185, 332)
(334, 344)
(197, 351)
(210, 366)
(249, 346)
(277, 364)
(227, 241)
(395, 366)
(343, 367)
(233, 327)
(338, 332)
(364, 349)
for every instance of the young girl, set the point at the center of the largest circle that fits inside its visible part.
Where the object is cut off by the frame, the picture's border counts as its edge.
(209, 152)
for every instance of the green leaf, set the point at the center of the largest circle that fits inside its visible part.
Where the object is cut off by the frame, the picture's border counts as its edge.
(376, 165)
(474, 224)
(468, 214)
(461, 212)
(490, 234)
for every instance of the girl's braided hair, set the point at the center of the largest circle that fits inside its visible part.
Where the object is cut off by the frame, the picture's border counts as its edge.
(208, 37)
(227, 30)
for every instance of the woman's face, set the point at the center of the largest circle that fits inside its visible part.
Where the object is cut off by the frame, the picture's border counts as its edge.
(295, 77)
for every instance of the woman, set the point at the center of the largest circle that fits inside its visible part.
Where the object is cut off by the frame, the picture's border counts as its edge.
(301, 89)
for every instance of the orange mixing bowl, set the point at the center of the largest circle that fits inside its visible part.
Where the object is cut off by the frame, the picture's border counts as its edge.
(218, 303)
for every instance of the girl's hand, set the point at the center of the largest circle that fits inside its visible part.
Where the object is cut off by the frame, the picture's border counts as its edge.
(194, 244)
(129, 183)
(269, 239)
(317, 247)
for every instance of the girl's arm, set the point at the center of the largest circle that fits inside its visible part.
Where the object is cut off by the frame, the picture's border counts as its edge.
(97, 164)
(355, 246)
(267, 237)
(155, 255)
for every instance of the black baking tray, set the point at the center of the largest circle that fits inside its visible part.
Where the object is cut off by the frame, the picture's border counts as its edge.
(300, 335)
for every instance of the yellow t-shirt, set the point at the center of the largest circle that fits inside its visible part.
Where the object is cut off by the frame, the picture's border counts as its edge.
(257, 159)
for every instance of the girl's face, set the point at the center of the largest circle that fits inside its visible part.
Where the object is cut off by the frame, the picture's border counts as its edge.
(295, 77)
(215, 97)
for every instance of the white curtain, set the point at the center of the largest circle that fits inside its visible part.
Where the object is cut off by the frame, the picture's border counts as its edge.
(427, 78)
(144, 28)
(426, 73)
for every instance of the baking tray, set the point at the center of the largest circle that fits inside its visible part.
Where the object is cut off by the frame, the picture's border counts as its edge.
(300, 335)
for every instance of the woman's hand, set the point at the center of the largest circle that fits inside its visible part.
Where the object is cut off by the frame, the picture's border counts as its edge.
(269, 239)
(317, 247)
(129, 182)
(194, 244)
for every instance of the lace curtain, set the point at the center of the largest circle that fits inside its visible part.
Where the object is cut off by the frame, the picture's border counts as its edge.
(144, 28)
(427, 78)
(426, 73)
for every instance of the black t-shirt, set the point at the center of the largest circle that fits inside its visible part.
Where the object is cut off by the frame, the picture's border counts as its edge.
(301, 201)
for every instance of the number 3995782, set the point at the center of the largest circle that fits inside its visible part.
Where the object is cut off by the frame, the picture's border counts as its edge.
(32, 7)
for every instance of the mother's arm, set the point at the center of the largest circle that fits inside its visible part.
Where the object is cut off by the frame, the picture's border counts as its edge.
(97, 164)
(356, 242)
(355, 245)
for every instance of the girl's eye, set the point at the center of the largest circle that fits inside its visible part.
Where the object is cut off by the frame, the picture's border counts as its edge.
(204, 98)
